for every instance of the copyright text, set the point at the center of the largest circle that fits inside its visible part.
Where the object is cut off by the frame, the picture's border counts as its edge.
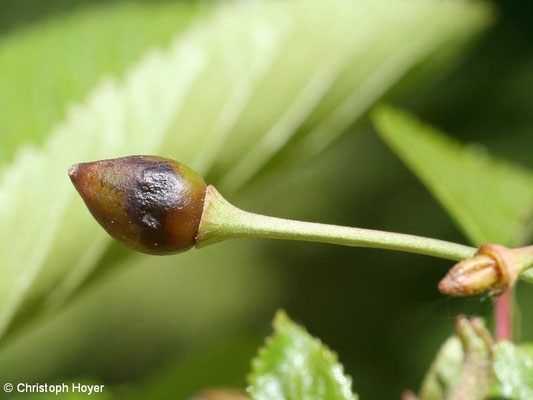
(53, 388)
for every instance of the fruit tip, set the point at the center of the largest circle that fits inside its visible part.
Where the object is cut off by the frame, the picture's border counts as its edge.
(448, 286)
(72, 171)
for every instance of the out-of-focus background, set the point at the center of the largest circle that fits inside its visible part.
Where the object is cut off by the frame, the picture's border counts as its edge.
(270, 102)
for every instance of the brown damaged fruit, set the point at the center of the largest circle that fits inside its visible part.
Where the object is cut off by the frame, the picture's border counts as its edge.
(150, 204)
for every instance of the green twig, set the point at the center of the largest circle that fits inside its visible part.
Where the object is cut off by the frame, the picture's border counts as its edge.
(221, 220)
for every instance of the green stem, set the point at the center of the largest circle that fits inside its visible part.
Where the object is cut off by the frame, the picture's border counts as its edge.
(221, 220)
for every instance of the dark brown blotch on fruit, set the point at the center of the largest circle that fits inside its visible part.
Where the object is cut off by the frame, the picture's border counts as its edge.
(151, 204)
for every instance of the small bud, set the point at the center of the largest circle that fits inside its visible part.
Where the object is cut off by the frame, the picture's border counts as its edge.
(409, 395)
(150, 204)
(476, 375)
(493, 268)
(221, 394)
(474, 335)
(469, 277)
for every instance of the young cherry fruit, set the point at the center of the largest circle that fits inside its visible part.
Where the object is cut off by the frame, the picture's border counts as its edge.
(159, 206)
(150, 204)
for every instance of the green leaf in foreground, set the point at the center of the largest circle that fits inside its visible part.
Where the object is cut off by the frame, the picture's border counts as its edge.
(295, 366)
(513, 370)
(241, 83)
(491, 200)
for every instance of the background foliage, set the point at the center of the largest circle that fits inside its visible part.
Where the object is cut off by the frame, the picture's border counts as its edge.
(268, 100)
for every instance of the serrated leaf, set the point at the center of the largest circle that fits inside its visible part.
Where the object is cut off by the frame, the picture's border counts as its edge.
(295, 366)
(383, 48)
(491, 200)
(242, 77)
(54, 63)
(513, 369)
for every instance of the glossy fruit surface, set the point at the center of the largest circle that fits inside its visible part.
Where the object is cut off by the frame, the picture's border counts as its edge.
(150, 204)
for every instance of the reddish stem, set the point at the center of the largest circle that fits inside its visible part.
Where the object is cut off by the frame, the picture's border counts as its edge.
(503, 316)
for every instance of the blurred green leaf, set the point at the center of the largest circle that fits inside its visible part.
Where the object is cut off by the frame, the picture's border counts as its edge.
(219, 365)
(463, 367)
(210, 100)
(513, 369)
(491, 200)
(50, 65)
(145, 314)
(445, 371)
(319, 105)
(295, 366)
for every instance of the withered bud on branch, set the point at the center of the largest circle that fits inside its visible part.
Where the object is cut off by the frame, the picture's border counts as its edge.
(492, 269)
